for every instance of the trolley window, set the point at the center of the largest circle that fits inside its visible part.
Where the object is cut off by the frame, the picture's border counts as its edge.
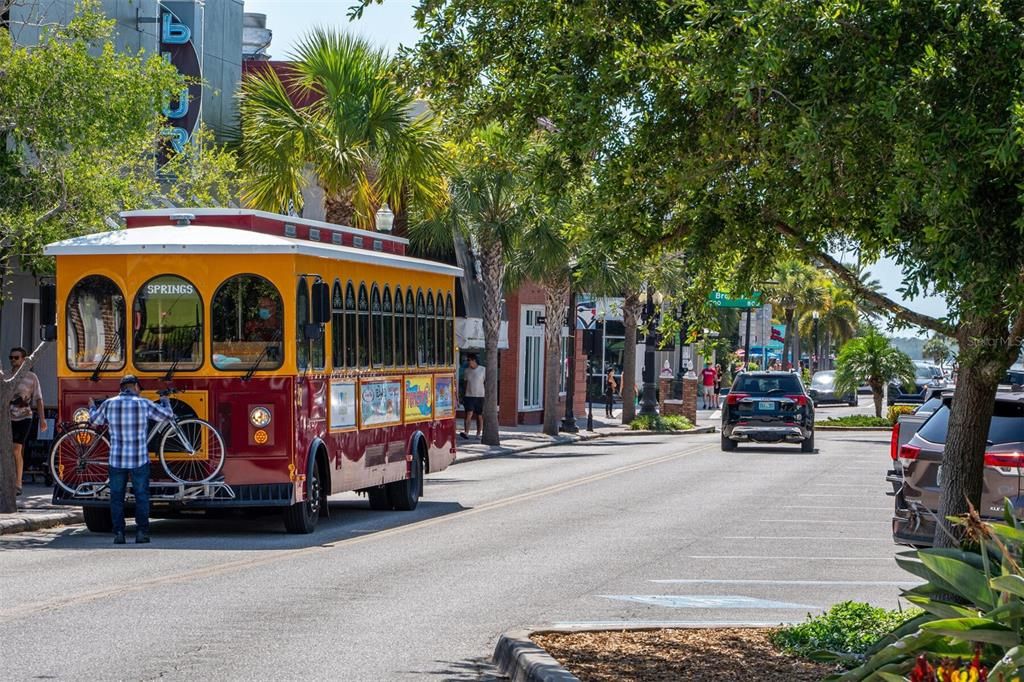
(431, 322)
(337, 326)
(399, 328)
(377, 315)
(363, 340)
(449, 331)
(388, 339)
(302, 318)
(421, 330)
(167, 325)
(95, 325)
(410, 331)
(246, 324)
(350, 326)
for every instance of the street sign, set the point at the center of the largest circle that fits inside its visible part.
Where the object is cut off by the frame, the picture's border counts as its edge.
(720, 300)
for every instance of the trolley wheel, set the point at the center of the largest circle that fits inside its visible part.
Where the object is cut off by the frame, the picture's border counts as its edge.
(379, 500)
(301, 517)
(97, 519)
(81, 455)
(405, 495)
(192, 451)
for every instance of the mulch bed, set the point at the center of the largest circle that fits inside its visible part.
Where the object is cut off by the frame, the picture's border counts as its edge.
(684, 654)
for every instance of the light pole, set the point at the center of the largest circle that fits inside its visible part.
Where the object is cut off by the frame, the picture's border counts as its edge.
(649, 399)
(746, 341)
(817, 349)
(569, 420)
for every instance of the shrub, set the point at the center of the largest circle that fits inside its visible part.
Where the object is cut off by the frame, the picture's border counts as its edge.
(856, 420)
(661, 423)
(896, 410)
(842, 634)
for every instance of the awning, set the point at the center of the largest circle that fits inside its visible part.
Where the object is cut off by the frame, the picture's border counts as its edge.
(469, 334)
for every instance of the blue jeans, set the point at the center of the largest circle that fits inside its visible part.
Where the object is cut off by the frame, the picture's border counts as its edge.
(140, 487)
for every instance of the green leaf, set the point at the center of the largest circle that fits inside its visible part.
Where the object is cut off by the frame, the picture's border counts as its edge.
(966, 580)
(1014, 584)
(1011, 662)
(974, 630)
(940, 609)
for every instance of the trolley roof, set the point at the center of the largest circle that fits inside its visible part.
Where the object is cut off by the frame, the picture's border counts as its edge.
(202, 239)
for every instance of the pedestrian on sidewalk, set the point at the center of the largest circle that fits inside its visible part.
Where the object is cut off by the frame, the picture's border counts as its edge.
(27, 395)
(610, 387)
(718, 385)
(127, 416)
(707, 379)
(473, 400)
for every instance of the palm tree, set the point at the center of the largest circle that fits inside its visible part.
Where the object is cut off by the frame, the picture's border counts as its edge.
(797, 285)
(490, 206)
(342, 115)
(938, 349)
(873, 360)
(838, 315)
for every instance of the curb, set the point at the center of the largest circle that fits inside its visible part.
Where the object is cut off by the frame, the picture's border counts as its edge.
(576, 439)
(26, 522)
(517, 657)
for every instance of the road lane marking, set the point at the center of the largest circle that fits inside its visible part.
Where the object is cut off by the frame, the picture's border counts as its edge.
(830, 506)
(734, 581)
(805, 537)
(692, 601)
(813, 521)
(792, 558)
(23, 610)
(663, 624)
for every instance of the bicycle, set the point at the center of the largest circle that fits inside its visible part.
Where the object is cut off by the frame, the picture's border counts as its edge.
(191, 451)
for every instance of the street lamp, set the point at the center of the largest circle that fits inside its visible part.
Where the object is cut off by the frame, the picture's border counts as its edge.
(569, 420)
(817, 349)
(649, 398)
(385, 218)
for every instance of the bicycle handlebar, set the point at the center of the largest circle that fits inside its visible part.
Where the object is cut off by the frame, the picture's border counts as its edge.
(164, 392)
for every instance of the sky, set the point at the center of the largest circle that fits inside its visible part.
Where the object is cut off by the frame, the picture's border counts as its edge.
(391, 24)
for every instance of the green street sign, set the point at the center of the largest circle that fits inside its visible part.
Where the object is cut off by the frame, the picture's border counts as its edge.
(720, 300)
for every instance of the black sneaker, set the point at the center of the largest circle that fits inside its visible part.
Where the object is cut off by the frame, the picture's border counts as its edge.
(141, 538)
(118, 538)
(463, 434)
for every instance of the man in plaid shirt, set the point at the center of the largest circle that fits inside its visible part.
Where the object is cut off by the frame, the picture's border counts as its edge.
(127, 417)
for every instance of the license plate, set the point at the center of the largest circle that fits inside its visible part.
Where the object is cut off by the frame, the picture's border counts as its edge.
(938, 476)
(766, 405)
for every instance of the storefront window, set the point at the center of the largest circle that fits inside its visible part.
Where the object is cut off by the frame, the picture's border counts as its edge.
(247, 324)
(95, 325)
(167, 325)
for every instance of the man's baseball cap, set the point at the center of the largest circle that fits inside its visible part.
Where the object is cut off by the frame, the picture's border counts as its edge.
(129, 379)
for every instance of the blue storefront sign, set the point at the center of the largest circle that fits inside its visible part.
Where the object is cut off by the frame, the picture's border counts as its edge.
(181, 26)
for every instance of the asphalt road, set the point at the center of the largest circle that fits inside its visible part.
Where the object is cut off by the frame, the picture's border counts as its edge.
(652, 529)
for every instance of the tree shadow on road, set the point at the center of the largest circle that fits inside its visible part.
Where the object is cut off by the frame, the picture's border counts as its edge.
(468, 670)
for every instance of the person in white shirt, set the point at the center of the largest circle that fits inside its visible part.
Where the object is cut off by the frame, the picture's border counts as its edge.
(473, 400)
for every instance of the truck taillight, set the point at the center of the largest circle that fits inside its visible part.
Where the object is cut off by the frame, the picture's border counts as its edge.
(894, 443)
(735, 398)
(908, 453)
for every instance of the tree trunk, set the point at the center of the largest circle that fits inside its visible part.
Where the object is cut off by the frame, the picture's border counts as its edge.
(986, 352)
(630, 315)
(492, 272)
(796, 346)
(8, 469)
(877, 394)
(556, 295)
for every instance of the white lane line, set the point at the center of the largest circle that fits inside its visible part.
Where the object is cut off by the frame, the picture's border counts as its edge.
(698, 581)
(856, 495)
(805, 537)
(717, 414)
(815, 521)
(709, 601)
(829, 506)
(791, 558)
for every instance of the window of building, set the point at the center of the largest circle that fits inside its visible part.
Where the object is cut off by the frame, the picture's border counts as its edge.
(363, 335)
(421, 330)
(399, 328)
(301, 320)
(431, 323)
(247, 324)
(337, 325)
(377, 319)
(95, 324)
(388, 339)
(351, 344)
(410, 330)
(167, 325)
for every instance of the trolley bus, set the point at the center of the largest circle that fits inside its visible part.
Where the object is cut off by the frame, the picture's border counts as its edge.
(321, 357)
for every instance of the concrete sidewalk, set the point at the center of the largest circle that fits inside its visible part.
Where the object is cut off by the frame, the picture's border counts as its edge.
(36, 511)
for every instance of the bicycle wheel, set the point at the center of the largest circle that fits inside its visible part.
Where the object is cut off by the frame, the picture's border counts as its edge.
(80, 456)
(191, 451)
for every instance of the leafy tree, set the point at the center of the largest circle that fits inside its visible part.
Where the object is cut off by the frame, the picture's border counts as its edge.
(342, 114)
(797, 286)
(799, 126)
(838, 316)
(490, 206)
(938, 349)
(871, 360)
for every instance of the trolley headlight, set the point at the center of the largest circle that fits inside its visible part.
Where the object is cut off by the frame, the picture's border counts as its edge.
(80, 416)
(259, 417)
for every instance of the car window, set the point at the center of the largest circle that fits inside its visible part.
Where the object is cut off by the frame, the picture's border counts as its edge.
(785, 383)
(823, 379)
(1007, 424)
(923, 372)
(929, 406)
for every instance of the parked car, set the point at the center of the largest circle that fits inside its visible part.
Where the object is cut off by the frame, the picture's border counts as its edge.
(928, 382)
(919, 467)
(768, 407)
(823, 390)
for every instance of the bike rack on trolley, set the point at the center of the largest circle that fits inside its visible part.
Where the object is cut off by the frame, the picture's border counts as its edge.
(164, 491)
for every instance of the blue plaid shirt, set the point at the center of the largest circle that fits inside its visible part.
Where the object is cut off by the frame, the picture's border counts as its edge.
(127, 415)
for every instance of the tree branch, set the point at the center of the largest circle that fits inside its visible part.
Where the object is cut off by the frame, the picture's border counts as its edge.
(844, 274)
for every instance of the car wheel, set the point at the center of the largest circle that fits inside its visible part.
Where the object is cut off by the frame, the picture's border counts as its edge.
(807, 445)
(728, 444)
